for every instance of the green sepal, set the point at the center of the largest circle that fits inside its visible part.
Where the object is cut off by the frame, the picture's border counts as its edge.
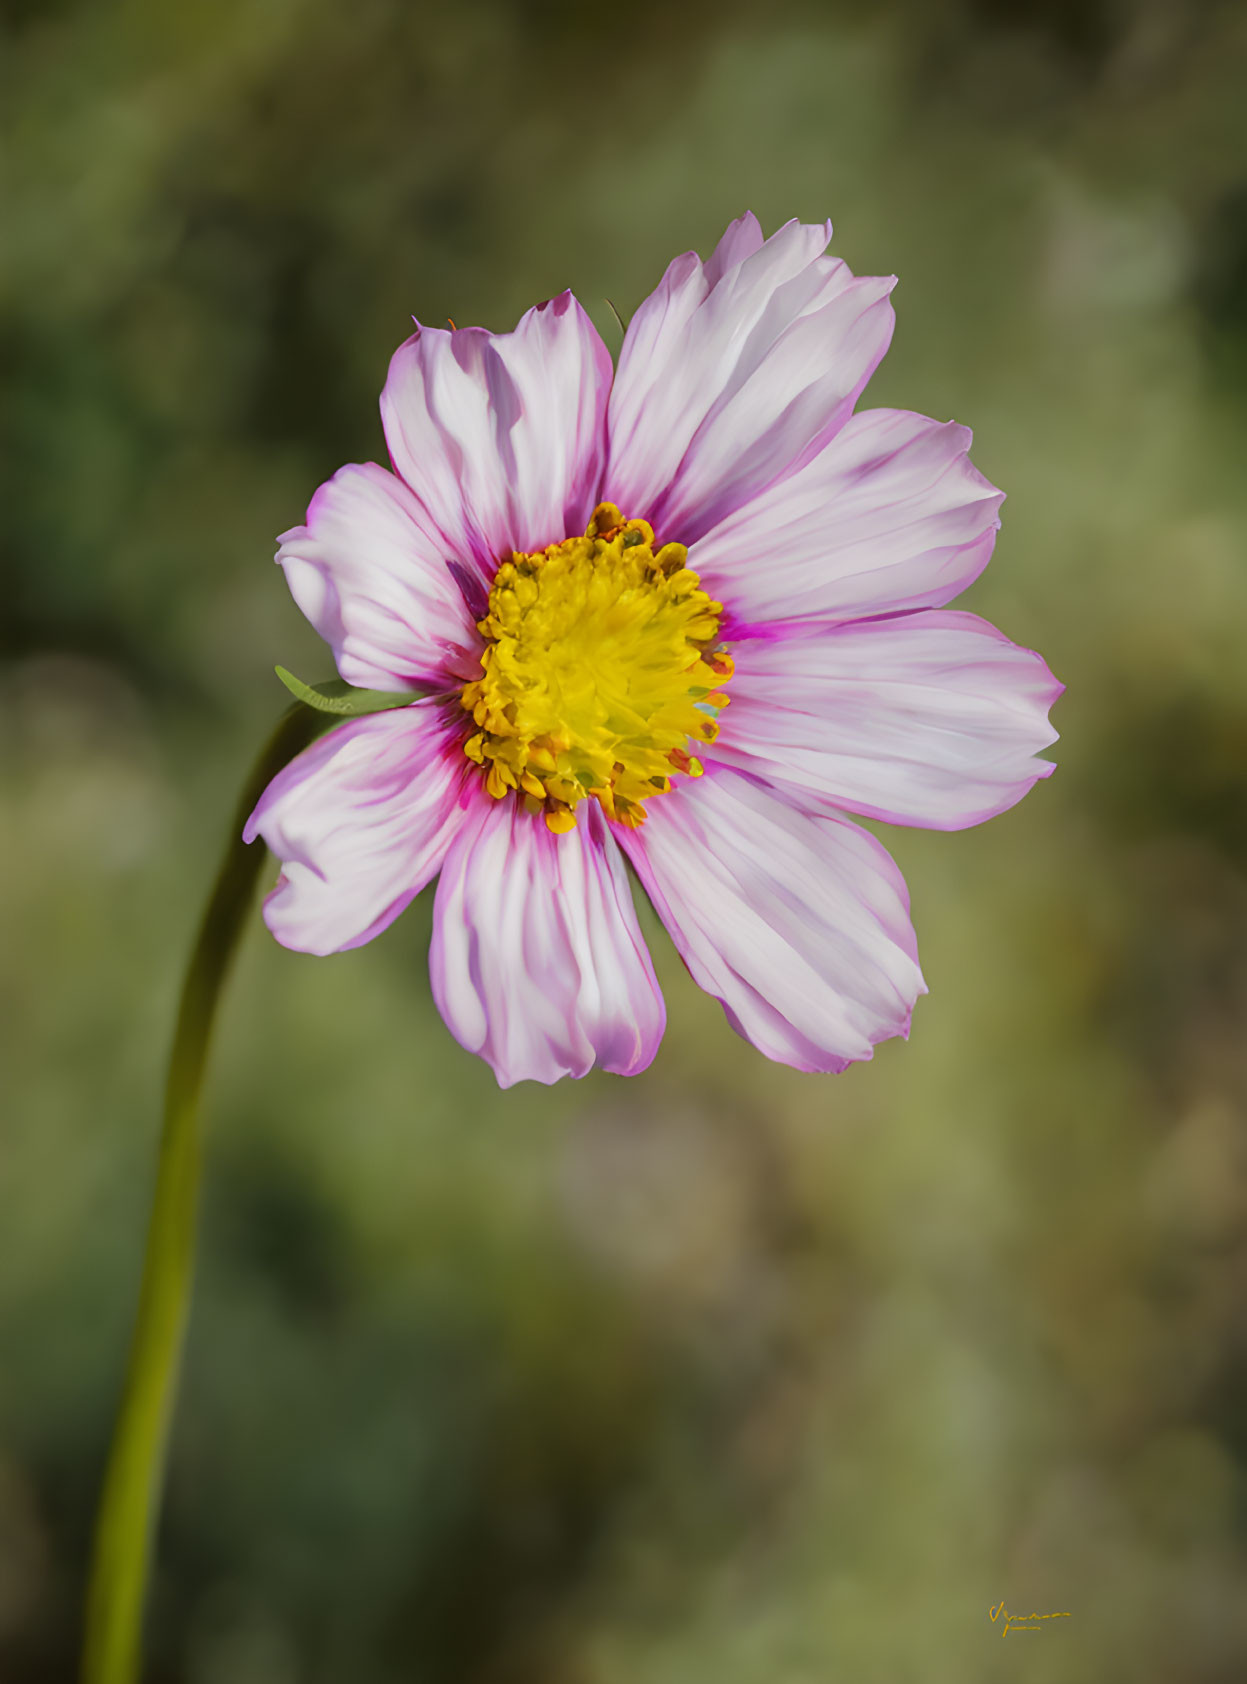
(337, 696)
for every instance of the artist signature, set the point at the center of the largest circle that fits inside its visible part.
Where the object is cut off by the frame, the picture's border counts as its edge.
(1019, 1622)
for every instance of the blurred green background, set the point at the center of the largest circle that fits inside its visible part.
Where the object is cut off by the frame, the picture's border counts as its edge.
(723, 1375)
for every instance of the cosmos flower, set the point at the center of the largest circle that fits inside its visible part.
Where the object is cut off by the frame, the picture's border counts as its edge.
(688, 613)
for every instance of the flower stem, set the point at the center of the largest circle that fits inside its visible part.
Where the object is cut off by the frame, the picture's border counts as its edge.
(133, 1480)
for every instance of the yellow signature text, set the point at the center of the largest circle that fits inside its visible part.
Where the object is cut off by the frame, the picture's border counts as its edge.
(1020, 1622)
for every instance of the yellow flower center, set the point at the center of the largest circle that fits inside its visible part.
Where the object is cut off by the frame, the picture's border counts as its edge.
(601, 669)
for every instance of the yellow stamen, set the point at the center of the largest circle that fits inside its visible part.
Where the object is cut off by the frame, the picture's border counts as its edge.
(601, 665)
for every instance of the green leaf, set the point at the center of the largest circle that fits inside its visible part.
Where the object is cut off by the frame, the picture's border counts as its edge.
(337, 696)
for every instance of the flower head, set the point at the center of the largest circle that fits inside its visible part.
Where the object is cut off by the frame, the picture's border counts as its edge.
(690, 612)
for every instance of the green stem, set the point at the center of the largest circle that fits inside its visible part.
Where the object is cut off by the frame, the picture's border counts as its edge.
(132, 1483)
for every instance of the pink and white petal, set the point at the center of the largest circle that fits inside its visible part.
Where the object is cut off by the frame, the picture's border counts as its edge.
(798, 923)
(740, 240)
(360, 822)
(368, 572)
(890, 515)
(643, 401)
(538, 963)
(801, 389)
(733, 371)
(932, 718)
(502, 435)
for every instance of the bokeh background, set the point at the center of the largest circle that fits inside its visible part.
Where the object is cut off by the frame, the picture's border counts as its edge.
(724, 1373)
